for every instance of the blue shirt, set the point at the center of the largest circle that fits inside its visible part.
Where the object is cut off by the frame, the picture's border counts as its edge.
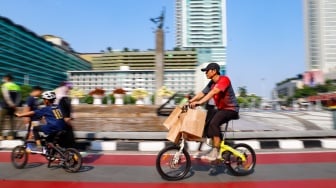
(53, 117)
(33, 104)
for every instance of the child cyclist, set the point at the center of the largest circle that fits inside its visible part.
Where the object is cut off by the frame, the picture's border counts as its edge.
(53, 117)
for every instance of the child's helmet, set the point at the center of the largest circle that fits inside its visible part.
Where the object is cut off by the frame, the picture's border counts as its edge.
(49, 95)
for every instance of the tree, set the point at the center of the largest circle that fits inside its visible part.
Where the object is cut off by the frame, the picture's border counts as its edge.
(126, 49)
(305, 92)
(177, 49)
(242, 91)
(25, 92)
(245, 100)
(109, 49)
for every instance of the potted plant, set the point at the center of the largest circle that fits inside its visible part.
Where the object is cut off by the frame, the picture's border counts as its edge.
(164, 93)
(139, 94)
(75, 95)
(119, 94)
(98, 95)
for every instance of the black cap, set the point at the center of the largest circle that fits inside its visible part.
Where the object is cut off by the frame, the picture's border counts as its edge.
(211, 66)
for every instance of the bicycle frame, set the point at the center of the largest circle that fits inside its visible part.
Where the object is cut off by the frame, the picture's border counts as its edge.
(48, 146)
(224, 147)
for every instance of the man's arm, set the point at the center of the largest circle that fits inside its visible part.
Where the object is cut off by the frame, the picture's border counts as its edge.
(197, 97)
(206, 98)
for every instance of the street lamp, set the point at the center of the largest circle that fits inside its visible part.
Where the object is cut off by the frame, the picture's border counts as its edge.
(263, 88)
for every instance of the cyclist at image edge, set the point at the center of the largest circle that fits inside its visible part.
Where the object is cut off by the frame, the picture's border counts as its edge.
(220, 90)
(52, 115)
(11, 94)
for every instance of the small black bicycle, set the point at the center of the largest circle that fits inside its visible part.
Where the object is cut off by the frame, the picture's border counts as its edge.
(68, 158)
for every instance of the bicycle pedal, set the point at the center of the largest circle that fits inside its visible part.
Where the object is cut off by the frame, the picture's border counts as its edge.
(51, 158)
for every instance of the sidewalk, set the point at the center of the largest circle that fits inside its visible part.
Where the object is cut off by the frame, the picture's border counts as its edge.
(139, 128)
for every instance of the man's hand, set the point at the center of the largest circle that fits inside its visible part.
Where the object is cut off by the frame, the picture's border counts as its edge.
(17, 114)
(194, 104)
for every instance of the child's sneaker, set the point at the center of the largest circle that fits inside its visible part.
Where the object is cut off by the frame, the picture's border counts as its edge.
(37, 149)
(30, 146)
(44, 150)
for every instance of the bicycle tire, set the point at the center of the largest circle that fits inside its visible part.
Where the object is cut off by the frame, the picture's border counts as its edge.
(72, 160)
(166, 157)
(239, 168)
(19, 152)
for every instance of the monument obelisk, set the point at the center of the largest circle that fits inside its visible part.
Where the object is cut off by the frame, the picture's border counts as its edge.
(159, 55)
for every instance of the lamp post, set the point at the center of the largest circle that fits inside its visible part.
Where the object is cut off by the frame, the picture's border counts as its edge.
(263, 88)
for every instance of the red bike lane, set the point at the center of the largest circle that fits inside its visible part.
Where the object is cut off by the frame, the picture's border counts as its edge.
(309, 170)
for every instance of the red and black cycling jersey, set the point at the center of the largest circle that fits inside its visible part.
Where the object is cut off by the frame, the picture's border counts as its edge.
(225, 99)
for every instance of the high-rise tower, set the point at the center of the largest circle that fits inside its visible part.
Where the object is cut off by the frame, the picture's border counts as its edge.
(320, 35)
(201, 25)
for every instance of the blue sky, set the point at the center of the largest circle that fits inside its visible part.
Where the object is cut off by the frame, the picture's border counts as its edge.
(265, 37)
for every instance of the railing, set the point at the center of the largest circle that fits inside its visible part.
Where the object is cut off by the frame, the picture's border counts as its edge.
(165, 109)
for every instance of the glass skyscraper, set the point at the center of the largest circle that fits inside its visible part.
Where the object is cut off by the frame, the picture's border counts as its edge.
(32, 60)
(201, 25)
(320, 33)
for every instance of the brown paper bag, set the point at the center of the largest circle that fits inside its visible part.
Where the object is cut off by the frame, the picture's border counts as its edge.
(174, 134)
(172, 118)
(193, 124)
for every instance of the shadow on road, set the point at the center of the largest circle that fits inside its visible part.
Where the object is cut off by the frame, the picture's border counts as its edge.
(34, 165)
(213, 168)
(91, 158)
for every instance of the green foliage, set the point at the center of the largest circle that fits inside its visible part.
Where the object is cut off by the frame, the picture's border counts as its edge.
(242, 92)
(88, 99)
(307, 91)
(249, 101)
(25, 92)
(242, 102)
(245, 101)
(107, 98)
(153, 98)
(128, 99)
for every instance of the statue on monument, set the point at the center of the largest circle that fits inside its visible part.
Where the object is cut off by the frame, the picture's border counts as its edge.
(159, 20)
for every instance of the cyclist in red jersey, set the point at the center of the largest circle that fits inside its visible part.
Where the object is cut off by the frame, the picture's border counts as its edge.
(218, 91)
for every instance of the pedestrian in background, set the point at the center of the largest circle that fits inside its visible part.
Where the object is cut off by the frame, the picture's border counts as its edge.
(64, 103)
(32, 104)
(63, 100)
(11, 98)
